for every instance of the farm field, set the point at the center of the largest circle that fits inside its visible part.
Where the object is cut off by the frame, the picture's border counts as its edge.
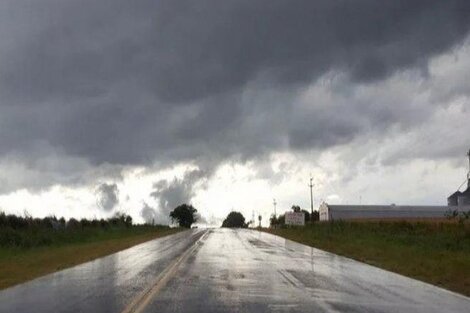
(434, 251)
(30, 248)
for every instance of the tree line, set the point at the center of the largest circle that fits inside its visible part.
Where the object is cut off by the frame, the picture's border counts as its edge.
(52, 222)
(184, 215)
(26, 231)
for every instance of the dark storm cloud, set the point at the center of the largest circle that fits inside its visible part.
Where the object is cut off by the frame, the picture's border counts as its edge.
(131, 82)
(107, 196)
(148, 213)
(153, 216)
(171, 193)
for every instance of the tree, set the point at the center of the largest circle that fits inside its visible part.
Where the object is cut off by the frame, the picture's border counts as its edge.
(278, 221)
(307, 215)
(296, 208)
(184, 214)
(316, 216)
(273, 221)
(235, 220)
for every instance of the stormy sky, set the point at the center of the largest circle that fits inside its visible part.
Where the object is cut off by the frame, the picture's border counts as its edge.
(136, 106)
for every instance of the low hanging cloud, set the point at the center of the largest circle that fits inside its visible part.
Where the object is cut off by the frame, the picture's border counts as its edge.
(171, 193)
(107, 196)
(153, 216)
(149, 214)
(201, 219)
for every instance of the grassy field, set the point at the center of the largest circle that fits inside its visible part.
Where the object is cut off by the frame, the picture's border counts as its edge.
(37, 252)
(437, 252)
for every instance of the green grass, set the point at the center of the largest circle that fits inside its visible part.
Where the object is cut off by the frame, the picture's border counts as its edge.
(37, 252)
(434, 252)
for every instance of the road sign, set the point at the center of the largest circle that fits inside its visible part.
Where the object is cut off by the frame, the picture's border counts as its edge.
(295, 218)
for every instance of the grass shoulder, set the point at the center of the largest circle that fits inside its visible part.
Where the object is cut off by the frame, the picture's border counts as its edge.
(434, 252)
(21, 263)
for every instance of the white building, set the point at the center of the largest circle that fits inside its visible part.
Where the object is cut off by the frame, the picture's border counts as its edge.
(348, 212)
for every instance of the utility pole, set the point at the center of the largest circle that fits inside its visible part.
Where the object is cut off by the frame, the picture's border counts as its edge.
(468, 174)
(253, 218)
(274, 203)
(311, 198)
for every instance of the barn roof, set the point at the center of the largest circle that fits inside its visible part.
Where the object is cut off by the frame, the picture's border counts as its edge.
(467, 192)
(388, 207)
(455, 194)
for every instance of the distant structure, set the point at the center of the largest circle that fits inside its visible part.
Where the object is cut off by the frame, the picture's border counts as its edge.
(350, 212)
(460, 198)
(458, 201)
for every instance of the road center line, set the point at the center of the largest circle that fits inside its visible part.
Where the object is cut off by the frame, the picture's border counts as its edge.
(142, 300)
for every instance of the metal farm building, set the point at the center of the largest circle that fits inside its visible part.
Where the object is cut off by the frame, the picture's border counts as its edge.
(461, 198)
(348, 212)
(458, 201)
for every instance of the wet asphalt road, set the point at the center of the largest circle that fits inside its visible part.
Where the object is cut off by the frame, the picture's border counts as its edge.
(227, 270)
(104, 285)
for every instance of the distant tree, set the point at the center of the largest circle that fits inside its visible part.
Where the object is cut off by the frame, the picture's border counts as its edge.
(128, 220)
(184, 214)
(296, 208)
(235, 220)
(315, 216)
(278, 221)
(73, 224)
(84, 222)
(307, 215)
(272, 221)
